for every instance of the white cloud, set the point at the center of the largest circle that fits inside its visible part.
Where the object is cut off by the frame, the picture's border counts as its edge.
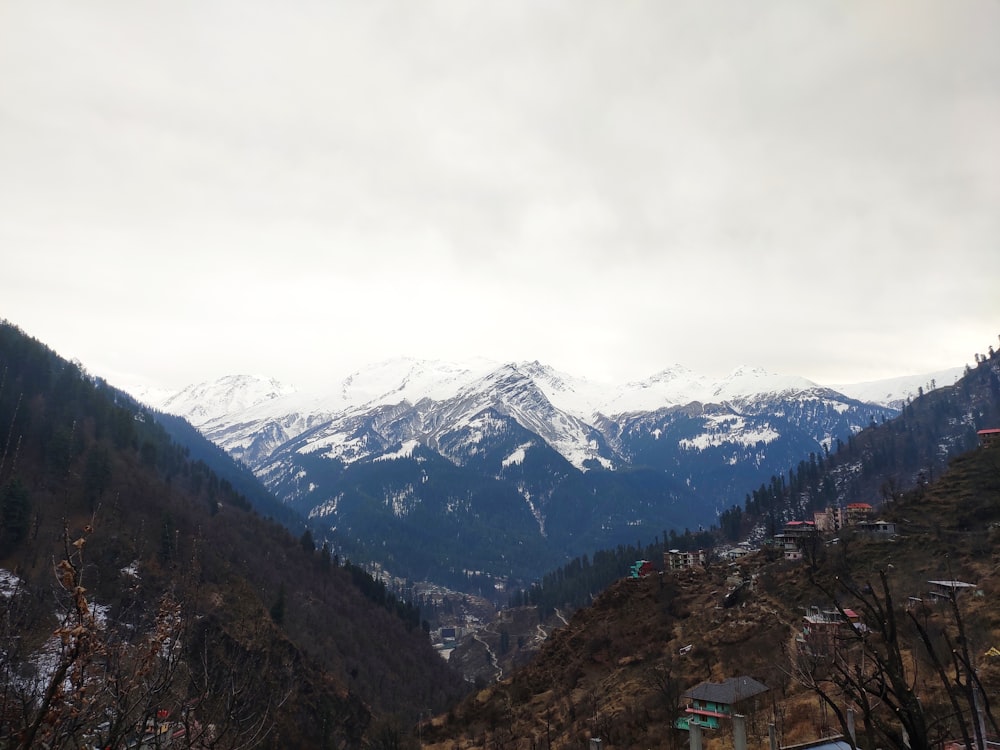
(194, 188)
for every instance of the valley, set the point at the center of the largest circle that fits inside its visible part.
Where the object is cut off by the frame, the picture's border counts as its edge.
(621, 668)
(462, 534)
(490, 474)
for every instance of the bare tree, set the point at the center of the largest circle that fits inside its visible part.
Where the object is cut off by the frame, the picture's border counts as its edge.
(164, 676)
(875, 667)
(56, 708)
(237, 685)
(663, 677)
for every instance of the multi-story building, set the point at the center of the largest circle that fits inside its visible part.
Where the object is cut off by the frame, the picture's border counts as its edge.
(797, 535)
(855, 513)
(676, 560)
(712, 703)
(834, 519)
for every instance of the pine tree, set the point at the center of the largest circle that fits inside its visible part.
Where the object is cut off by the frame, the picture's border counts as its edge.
(15, 515)
(277, 610)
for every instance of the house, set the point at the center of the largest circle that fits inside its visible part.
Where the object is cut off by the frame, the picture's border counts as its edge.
(855, 513)
(641, 569)
(837, 742)
(711, 703)
(735, 553)
(676, 560)
(990, 436)
(796, 535)
(882, 528)
(828, 520)
(826, 632)
(942, 591)
(834, 519)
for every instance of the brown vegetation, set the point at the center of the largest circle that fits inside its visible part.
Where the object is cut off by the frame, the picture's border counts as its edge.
(617, 671)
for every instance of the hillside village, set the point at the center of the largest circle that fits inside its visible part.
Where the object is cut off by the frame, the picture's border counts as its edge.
(774, 633)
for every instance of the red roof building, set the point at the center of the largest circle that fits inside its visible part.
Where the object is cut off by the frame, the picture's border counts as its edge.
(987, 437)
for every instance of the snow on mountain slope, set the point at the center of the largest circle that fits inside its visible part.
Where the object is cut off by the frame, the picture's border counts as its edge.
(573, 395)
(444, 458)
(679, 386)
(411, 399)
(251, 416)
(675, 386)
(515, 391)
(747, 381)
(412, 380)
(894, 392)
(407, 379)
(388, 382)
(225, 397)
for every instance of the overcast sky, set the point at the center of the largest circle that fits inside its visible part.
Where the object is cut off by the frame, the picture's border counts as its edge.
(194, 189)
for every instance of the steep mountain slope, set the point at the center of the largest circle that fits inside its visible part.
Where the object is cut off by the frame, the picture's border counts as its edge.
(618, 670)
(885, 459)
(315, 654)
(566, 464)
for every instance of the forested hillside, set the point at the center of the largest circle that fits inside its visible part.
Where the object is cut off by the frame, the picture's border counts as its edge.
(882, 461)
(620, 668)
(174, 603)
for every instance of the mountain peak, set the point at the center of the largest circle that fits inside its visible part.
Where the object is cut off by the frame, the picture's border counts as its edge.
(230, 394)
(410, 379)
(674, 372)
(747, 380)
(750, 371)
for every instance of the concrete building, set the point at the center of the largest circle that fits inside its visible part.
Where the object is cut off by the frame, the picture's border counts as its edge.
(674, 560)
(712, 703)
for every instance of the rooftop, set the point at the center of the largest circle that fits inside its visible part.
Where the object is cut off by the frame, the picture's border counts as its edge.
(953, 584)
(730, 691)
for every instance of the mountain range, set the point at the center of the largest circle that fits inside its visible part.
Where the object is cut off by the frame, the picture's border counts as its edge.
(441, 470)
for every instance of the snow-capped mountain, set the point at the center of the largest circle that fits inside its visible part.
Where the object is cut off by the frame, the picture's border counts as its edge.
(895, 392)
(230, 395)
(423, 452)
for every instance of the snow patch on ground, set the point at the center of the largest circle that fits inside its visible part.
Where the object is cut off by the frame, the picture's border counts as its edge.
(9, 583)
(729, 429)
(536, 511)
(326, 509)
(402, 502)
(517, 457)
(405, 451)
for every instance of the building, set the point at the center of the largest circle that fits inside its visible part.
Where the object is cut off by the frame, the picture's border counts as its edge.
(942, 591)
(834, 519)
(641, 569)
(828, 521)
(675, 560)
(882, 528)
(855, 513)
(796, 536)
(800, 528)
(826, 633)
(735, 553)
(712, 703)
(990, 436)
(837, 742)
